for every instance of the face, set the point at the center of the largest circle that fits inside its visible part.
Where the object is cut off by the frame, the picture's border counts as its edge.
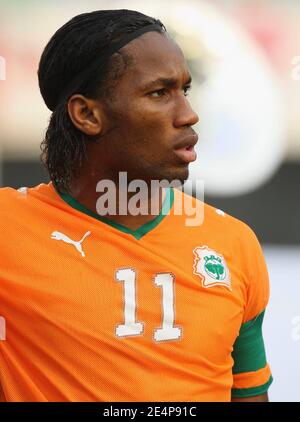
(147, 129)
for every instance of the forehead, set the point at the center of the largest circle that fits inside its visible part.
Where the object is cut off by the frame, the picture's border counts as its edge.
(155, 56)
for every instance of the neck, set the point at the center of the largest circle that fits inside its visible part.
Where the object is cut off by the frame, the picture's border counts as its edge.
(114, 202)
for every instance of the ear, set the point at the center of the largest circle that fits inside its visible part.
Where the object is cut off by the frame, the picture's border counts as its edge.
(86, 114)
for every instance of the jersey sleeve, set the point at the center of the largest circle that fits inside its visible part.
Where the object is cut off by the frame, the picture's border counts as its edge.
(251, 372)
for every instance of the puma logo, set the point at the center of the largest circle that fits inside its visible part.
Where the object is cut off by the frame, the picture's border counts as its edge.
(66, 239)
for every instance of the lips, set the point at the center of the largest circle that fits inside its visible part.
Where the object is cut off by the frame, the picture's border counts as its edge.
(185, 149)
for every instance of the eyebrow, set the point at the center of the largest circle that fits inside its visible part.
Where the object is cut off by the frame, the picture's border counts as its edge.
(167, 82)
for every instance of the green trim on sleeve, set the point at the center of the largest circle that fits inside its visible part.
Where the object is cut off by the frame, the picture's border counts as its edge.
(248, 350)
(250, 392)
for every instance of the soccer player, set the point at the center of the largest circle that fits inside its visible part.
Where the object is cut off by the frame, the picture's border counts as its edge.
(127, 306)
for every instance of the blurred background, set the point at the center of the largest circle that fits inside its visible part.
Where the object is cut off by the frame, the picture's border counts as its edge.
(244, 56)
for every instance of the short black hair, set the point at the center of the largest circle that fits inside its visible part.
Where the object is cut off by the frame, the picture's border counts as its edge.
(71, 50)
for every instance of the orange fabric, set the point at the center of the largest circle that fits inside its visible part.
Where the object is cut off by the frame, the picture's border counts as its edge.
(252, 379)
(62, 308)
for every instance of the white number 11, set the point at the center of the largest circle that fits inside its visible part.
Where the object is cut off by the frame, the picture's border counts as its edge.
(131, 327)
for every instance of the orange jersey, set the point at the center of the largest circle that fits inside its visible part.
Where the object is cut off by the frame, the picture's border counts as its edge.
(97, 312)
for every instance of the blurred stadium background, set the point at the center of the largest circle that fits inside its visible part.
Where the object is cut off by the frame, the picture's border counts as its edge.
(245, 59)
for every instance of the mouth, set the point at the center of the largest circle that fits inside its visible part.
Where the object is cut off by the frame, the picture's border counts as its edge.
(185, 150)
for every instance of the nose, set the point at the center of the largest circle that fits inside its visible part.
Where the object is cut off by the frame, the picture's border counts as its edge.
(185, 115)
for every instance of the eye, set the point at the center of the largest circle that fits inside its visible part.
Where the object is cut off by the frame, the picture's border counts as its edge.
(186, 90)
(160, 93)
(163, 91)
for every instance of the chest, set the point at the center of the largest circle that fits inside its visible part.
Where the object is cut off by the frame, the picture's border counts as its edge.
(124, 293)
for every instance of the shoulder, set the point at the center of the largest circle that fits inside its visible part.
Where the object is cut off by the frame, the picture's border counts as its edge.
(230, 225)
(8, 195)
(15, 201)
(216, 220)
(238, 236)
(11, 204)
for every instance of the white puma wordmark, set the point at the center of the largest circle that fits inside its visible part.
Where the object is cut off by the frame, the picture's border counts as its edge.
(66, 239)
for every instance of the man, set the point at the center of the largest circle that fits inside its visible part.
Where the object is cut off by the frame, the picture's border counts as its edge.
(126, 307)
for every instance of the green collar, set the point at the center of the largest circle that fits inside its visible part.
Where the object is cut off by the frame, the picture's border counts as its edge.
(138, 233)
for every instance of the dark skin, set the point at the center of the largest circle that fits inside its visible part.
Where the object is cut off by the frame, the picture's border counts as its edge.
(138, 127)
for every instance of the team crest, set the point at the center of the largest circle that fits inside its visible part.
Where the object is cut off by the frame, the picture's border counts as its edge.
(211, 268)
